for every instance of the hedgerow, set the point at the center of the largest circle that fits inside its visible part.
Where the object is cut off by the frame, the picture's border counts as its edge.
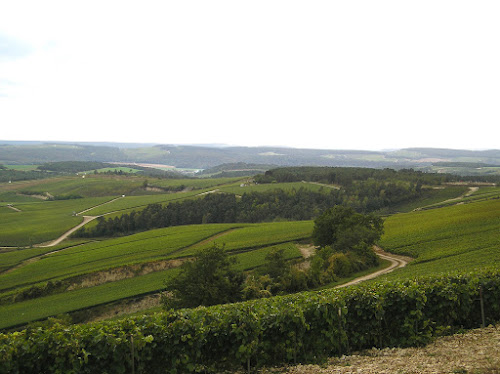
(289, 329)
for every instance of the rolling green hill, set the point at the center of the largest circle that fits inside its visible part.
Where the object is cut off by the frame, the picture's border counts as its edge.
(458, 237)
(249, 243)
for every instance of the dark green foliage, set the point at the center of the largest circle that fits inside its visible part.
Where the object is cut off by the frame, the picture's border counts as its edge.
(252, 207)
(236, 169)
(72, 166)
(346, 176)
(7, 175)
(67, 197)
(297, 328)
(345, 230)
(207, 280)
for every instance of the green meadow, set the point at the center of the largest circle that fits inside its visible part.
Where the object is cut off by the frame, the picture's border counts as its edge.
(461, 236)
(43, 307)
(39, 221)
(458, 237)
(129, 203)
(149, 246)
(240, 189)
(144, 247)
(42, 221)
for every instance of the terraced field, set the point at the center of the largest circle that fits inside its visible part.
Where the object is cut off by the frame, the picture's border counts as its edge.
(240, 190)
(43, 307)
(458, 237)
(39, 222)
(128, 203)
(251, 243)
(455, 237)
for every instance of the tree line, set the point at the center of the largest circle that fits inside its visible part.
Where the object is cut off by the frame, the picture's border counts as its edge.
(345, 239)
(346, 176)
(294, 205)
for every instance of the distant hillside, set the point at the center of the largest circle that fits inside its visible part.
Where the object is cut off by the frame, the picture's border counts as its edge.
(235, 170)
(206, 157)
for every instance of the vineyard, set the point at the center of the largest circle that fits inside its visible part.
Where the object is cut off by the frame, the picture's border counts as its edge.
(249, 242)
(289, 329)
(450, 231)
(458, 237)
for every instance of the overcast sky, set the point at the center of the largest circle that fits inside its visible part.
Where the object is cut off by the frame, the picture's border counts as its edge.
(309, 74)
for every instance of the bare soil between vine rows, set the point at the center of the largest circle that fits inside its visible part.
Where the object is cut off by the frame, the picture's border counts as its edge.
(474, 352)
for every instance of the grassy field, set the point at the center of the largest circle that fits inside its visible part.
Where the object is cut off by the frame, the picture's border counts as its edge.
(42, 221)
(107, 185)
(257, 235)
(22, 167)
(43, 307)
(90, 186)
(238, 190)
(13, 197)
(172, 242)
(128, 203)
(458, 237)
(148, 246)
(14, 257)
(201, 183)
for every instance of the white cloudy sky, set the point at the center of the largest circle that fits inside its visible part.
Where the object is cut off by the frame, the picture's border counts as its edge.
(319, 74)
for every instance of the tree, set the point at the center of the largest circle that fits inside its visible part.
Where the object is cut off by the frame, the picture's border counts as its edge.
(345, 230)
(207, 280)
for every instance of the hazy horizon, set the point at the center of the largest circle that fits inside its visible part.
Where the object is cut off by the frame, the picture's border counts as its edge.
(220, 145)
(317, 75)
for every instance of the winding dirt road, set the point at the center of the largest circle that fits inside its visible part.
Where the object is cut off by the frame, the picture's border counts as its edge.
(86, 219)
(95, 206)
(395, 260)
(396, 263)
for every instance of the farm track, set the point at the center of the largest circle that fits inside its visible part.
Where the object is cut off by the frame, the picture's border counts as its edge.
(396, 263)
(86, 219)
(10, 206)
(95, 206)
(458, 199)
(323, 185)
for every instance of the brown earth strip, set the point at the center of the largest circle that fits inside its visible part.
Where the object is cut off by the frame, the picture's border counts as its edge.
(396, 263)
(95, 206)
(86, 219)
(477, 351)
(10, 206)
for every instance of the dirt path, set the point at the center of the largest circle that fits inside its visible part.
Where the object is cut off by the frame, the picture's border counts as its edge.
(208, 192)
(13, 208)
(95, 206)
(86, 219)
(306, 250)
(458, 199)
(396, 263)
(324, 185)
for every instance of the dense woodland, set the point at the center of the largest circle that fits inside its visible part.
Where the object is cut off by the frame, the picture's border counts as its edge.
(345, 239)
(7, 175)
(363, 196)
(346, 176)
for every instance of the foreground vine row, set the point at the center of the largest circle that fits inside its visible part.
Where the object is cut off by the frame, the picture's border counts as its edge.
(297, 328)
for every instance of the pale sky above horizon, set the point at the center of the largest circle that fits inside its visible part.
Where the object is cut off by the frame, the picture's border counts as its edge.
(309, 74)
